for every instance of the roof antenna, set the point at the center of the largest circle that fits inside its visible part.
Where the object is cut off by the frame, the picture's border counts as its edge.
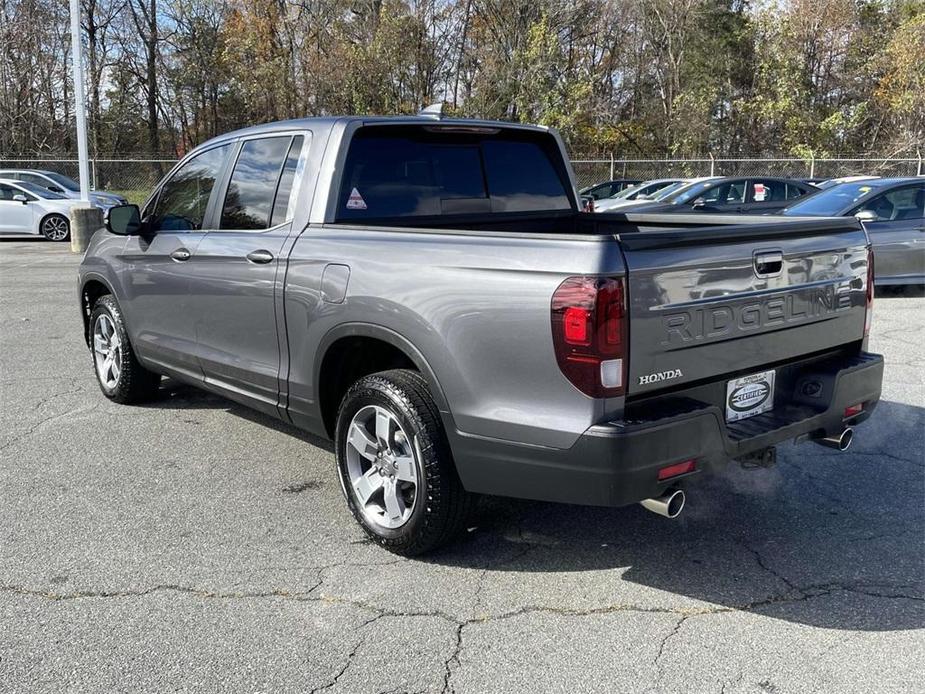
(432, 111)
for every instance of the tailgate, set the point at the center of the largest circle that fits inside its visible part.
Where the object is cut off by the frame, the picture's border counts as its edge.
(710, 302)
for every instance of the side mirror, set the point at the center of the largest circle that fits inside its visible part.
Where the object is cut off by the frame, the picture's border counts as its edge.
(699, 203)
(124, 220)
(644, 196)
(21, 198)
(866, 216)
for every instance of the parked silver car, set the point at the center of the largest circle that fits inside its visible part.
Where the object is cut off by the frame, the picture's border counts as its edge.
(893, 212)
(62, 185)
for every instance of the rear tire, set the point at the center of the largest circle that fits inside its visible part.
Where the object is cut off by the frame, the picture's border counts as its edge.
(56, 227)
(395, 465)
(121, 378)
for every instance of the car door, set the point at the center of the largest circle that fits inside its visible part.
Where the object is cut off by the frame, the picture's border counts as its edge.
(16, 217)
(236, 293)
(897, 235)
(157, 264)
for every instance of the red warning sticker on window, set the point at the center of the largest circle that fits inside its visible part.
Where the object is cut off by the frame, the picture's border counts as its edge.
(760, 192)
(356, 201)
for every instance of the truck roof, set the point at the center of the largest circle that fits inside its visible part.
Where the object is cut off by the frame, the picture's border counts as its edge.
(322, 125)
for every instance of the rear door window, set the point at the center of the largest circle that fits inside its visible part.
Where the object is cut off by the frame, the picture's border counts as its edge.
(248, 203)
(400, 172)
(283, 205)
(183, 199)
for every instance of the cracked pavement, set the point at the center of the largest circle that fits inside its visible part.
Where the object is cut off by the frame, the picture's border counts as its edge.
(191, 545)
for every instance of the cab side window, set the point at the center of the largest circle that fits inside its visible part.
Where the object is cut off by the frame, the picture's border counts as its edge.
(181, 205)
(6, 192)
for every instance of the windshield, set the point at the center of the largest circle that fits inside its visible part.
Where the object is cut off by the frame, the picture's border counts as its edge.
(685, 192)
(830, 202)
(665, 192)
(64, 181)
(40, 191)
(634, 192)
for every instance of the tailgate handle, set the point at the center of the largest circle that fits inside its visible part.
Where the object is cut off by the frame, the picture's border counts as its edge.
(769, 264)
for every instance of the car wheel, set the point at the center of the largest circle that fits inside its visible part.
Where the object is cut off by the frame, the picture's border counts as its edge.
(121, 378)
(56, 227)
(395, 465)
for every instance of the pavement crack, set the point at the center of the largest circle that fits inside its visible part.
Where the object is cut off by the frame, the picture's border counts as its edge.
(661, 651)
(769, 569)
(43, 422)
(343, 670)
(453, 659)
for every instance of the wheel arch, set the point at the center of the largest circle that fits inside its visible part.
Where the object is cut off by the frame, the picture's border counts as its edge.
(332, 353)
(92, 287)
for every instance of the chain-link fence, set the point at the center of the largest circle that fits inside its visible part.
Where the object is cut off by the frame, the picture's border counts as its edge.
(589, 171)
(134, 178)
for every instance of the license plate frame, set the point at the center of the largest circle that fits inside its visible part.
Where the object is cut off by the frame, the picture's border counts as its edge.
(751, 395)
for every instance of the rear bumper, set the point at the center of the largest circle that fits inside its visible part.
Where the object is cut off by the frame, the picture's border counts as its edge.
(617, 463)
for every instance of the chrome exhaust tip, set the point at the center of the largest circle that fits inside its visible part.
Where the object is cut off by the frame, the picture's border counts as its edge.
(839, 442)
(670, 504)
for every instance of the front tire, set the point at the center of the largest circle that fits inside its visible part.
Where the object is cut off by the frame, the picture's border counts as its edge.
(395, 465)
(121, 378)
(56, 227)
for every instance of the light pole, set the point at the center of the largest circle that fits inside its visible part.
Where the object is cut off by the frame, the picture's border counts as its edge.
(80, 107)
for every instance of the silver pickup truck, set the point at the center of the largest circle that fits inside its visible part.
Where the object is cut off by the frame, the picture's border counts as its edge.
(428, 294)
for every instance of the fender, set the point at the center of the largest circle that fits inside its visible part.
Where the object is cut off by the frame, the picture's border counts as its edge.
(86, 278)
(391, 337)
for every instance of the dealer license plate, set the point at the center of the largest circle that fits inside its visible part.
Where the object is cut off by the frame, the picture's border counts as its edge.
(749, 395)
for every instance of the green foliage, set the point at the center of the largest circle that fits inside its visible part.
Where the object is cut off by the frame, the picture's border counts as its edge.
(633, 77)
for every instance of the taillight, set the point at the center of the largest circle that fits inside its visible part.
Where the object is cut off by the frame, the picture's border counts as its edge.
(589, 334)
(869, 310)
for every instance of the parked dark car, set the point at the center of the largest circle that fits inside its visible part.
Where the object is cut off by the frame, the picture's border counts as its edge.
(744, 194)
(599, 191)
(893, 212)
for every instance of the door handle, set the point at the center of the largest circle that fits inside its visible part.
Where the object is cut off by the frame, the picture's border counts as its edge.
(260, 257)
(768, 264)
(180, 255)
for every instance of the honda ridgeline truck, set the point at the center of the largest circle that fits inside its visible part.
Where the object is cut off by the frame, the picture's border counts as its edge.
(428, 294)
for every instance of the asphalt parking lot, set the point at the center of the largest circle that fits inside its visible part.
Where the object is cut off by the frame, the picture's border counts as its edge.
(192, 545)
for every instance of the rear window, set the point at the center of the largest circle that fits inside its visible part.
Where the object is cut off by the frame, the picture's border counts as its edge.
(401, 172)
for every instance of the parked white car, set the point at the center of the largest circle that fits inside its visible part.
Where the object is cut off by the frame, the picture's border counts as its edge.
(26, 208)
(623, 205)
(62, 185)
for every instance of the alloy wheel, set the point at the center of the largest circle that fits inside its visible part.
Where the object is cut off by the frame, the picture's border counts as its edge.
(55, 228)
(107, 351)
(382, 466)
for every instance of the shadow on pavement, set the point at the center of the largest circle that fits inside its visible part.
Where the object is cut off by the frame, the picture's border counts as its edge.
(830, 539)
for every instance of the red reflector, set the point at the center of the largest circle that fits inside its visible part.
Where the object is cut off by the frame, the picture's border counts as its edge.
(575, 326)
(677, 469)
(853, 410)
